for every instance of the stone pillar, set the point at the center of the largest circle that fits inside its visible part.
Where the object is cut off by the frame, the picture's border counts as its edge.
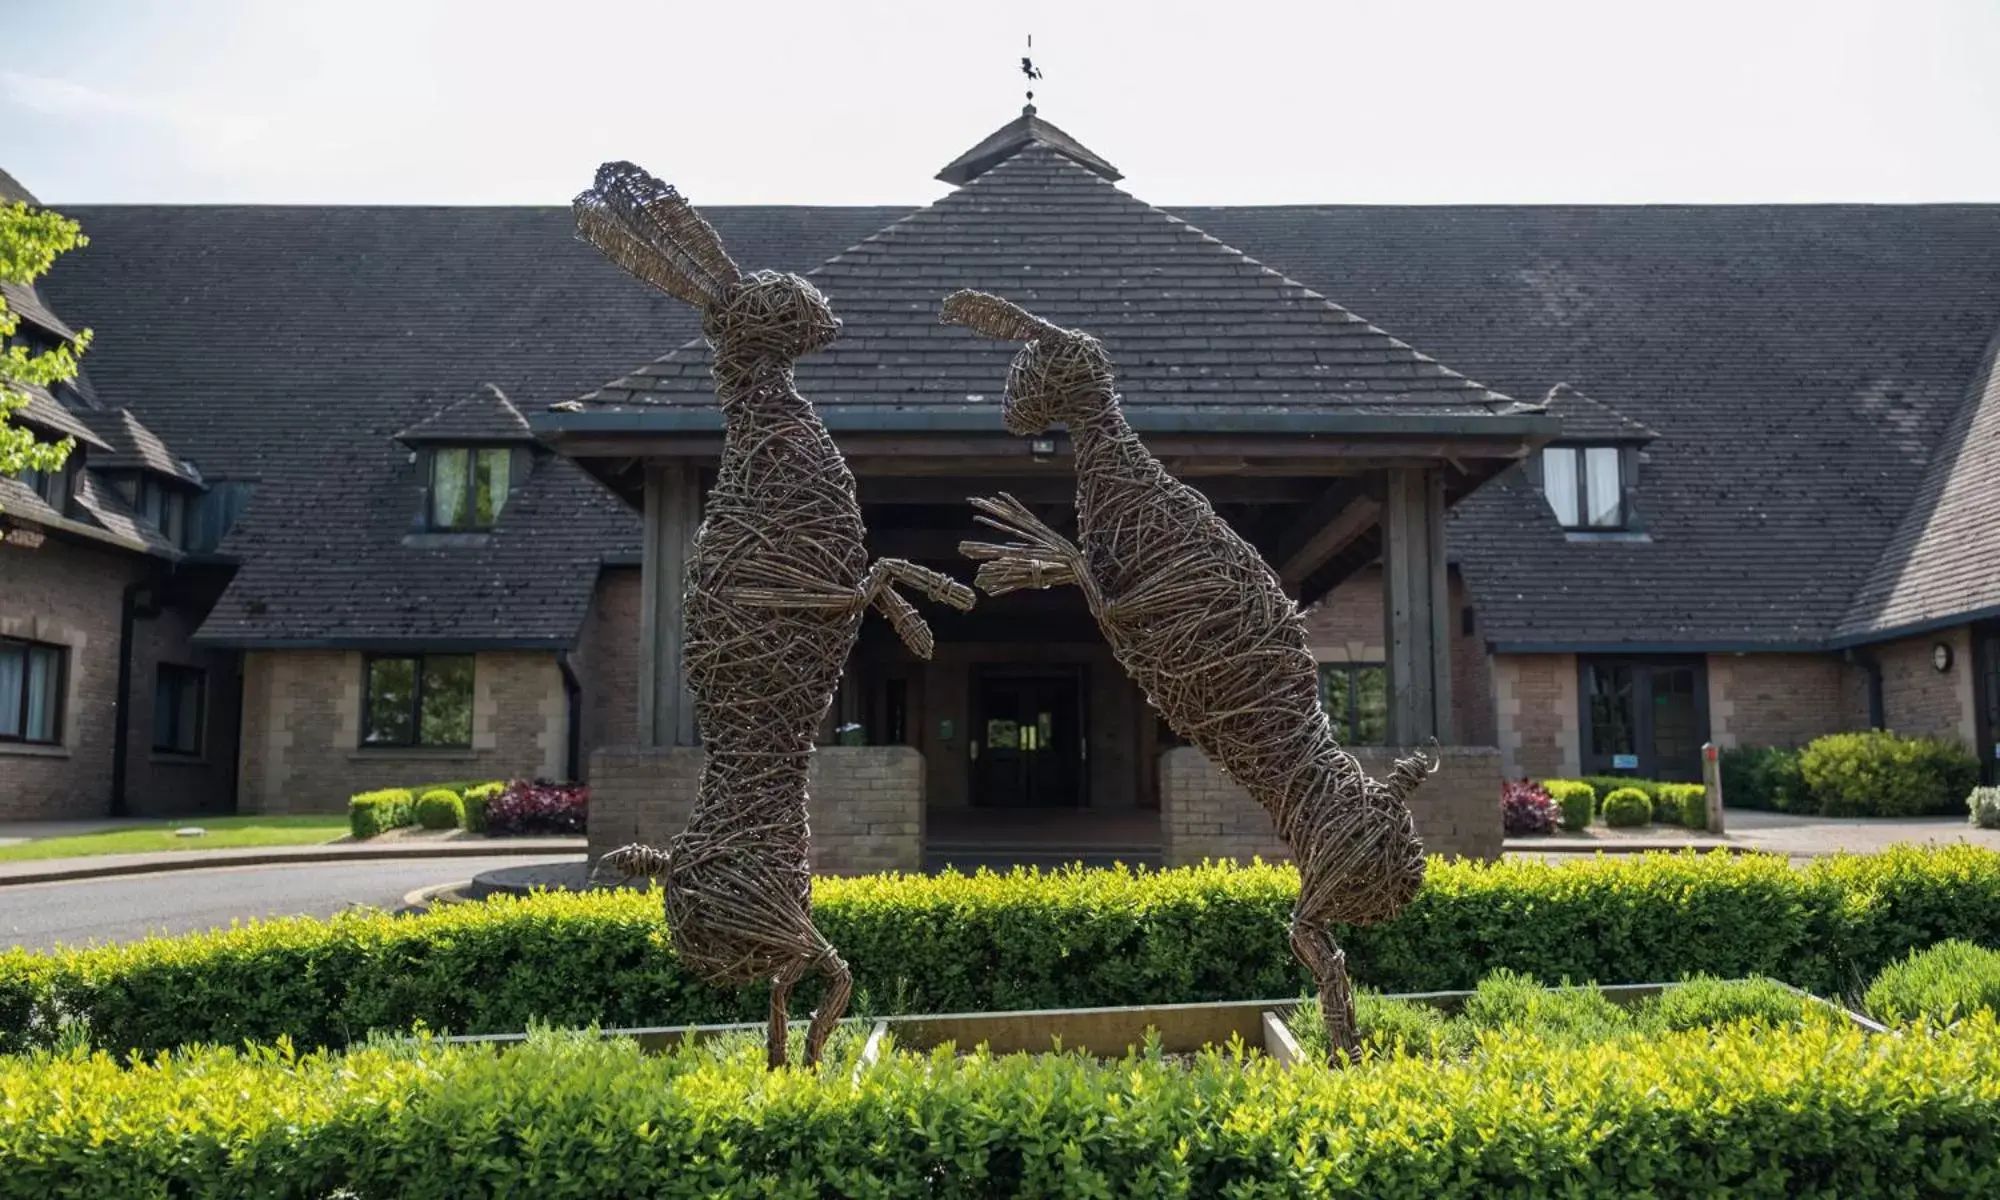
(1416, 608)
(673, 511)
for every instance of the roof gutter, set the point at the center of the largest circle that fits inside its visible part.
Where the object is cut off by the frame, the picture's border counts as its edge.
(985, 418)
(413, 645)
(1826, 645)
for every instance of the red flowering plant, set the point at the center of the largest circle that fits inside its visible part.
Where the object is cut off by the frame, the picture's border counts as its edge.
(1527, 808)
(538, 807)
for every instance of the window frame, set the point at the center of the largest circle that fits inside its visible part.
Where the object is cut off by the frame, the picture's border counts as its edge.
(155, 500)
(180, 672)
(416, 713)
(1351, 673)
(1581, 450)
(62, 481)
(469, 499)
(58, 698)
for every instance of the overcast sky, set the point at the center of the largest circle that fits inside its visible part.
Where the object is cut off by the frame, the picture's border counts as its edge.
(861, 101)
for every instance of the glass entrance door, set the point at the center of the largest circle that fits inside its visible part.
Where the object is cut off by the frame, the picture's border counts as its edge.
(1644, 717)
(1028, 740)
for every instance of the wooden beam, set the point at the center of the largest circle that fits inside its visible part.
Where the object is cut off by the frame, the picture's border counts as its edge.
(1328, 526)
(672, 513)
(1415, 609)
(1059, 487)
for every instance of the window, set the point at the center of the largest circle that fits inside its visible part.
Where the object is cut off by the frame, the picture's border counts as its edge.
(1585, 486)
(417, 700)
(166, 508)
(179, 697)
(468, 486)
(52, 486)
(1356, 699)
(31, 691)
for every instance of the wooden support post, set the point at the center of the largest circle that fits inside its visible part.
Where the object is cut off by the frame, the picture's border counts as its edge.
(1416, 608)
(1711, 776)
(673, 511)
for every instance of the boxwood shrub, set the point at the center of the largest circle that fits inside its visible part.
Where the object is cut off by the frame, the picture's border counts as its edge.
(1823, 1110)
(1681, 804)
(372, 813)
(956, 943)
(1627, 807)
(1878, 774)
(477, 797)
(440, 809)
(1950, 980)
(1577, 800)
(1764, 777)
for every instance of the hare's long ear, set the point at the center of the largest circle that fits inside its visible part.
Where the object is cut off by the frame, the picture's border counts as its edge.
(649, 229)
(987, 314)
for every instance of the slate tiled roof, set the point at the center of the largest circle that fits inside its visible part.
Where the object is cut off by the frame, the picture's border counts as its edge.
(24, 302)
(129, 445)
(288, 345)
(1799, 364)
(1189, 321)
(484, 415)
(1944, 560)
(98, 514)
(1587, 420)
(53, 418)
(1008, 140)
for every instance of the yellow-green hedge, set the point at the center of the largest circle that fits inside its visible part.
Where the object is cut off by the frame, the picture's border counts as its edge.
(1025, 940)
(1821, 1111)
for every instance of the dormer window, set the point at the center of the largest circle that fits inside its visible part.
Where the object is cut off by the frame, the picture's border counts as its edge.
(166, 508)
(1586, 485)
(54, 487)
(468, 486)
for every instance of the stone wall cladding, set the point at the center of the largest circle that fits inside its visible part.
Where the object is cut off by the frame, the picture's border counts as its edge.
(1535, 710)
(607, 662)
(1920, 701)
(302, 730)
(1204, 814)
(1347, 626)
(69, 596)
(1781, 699)
(865, 803)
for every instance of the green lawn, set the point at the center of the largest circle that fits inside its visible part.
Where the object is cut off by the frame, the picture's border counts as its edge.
(222, 831)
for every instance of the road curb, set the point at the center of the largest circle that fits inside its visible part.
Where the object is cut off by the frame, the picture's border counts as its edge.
(205, 860)
(421, 899)
(1530, 846)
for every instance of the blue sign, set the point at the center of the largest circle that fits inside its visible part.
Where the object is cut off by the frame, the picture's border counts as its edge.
(1624, 762)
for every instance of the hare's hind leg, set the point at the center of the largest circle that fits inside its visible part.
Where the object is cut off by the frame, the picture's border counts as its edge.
(832, 1006)
(775, 1033)
(878, 588)
(1315, 947)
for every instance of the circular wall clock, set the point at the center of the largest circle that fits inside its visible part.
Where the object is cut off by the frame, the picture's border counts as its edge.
(1941, 656)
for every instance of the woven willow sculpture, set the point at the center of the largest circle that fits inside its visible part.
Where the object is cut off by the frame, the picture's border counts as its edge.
(1204, 628)
(777, 585)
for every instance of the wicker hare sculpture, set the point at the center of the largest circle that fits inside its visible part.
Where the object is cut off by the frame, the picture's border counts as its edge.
(1204, 628)
(777, 584)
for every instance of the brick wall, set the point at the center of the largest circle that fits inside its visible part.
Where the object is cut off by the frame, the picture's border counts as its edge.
(302, 730)
(1347, 626)
(1782, 699)
(69, 596)
(1535, 710)
(1918, 700)
(1204, 814)
(172, 784)
(865, 803)
(607, 662)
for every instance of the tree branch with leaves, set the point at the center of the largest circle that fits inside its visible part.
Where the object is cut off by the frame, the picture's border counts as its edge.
(30, 240)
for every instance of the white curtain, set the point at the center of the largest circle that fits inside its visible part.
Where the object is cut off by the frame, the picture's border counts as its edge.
(492, 485)
(41, 725)
(1559, 483)
(1601, 478)
(11, 665)
(448, 489)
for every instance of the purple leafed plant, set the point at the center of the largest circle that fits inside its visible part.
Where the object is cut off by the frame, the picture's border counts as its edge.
(538, 807)
(1527, 808)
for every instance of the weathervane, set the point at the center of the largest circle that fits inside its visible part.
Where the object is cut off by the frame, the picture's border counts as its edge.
(1029, 68)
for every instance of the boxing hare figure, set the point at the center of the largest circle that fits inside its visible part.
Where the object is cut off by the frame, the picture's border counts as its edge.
(1203, 626)
(777, 584)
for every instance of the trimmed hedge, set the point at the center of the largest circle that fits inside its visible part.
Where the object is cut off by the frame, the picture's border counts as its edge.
(1627, 807)
(477, 798)
(372, 813)
(1823, 1110)
(440, 809)
(1576, 799)
(1878, 774)
(1681, 804)
(956, 943)
(1766, 778)
(1944, 983)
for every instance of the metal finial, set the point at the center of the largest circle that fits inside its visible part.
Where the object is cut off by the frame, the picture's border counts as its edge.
(1029, 69)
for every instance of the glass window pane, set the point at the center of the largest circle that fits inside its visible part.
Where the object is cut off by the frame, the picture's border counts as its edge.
(1611, 716)
(1371, 706)
(176, 517)
(447, 700)
(448, 489)
(1559, 482)
(1607, 495)
(491, 491)
(13, 665)
(392, 683)
(151, 501)
(44, 675)
(1333, 696)
(164, 699)
(187, 713)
